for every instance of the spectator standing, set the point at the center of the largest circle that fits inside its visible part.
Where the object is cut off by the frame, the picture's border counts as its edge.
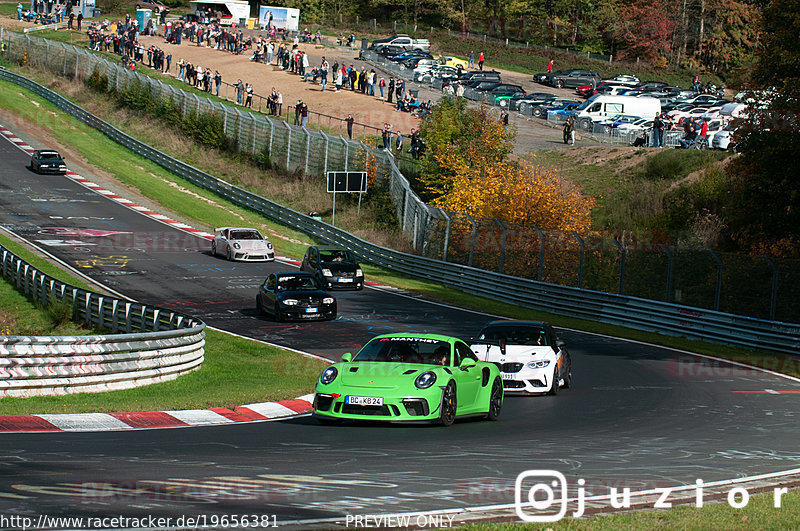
(303, 113)
(239, 92)
(19, 10)
(658, 131)
(391, 89)
(504, 119)
(80, 19)
(217, 80)
(69, 21)
(270, 52)
(297, 112)
(480, 61)
(324, 73)
(399, 142)
(371, 82)
(169, 60)
(349, 120)
(550, 67)
(471, 59)
(414, 143)
(280, 103)
(381, 85)
(569, 131)
(387, 135)
(248, 102)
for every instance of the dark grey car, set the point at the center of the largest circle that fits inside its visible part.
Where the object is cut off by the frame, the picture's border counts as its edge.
(574, 78)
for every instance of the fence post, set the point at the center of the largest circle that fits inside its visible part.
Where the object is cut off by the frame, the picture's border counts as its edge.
(718, 287)
(472, 238)
(288, 146)
(308, 148)
(346, 152)
(446, 234)
(502, 245)
(253, 117)
(773, 299)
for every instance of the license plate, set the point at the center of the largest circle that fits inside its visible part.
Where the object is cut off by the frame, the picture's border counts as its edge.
(345, 280)
(509, 376)
(312, 310)
(364, 400)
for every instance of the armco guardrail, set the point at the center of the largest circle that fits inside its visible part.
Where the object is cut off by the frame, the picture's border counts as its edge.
(146, 344)
(632, 312)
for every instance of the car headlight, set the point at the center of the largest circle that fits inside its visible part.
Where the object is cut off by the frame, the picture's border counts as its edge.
(269, 245)
(538, 364)
(290, 302)
(327, 300)
(359, 273)
(327, 272)
(236, 245)
(328, 375)
(425, 380)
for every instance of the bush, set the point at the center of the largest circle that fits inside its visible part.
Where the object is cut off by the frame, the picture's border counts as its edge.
(169, 112)
(137, 96)
(98, 81)
(207, 129)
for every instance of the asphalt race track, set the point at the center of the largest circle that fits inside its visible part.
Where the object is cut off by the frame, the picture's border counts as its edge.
(638, 416)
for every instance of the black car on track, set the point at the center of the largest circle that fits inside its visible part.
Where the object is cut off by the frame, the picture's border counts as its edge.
(295, 295)
(48, 161)
(333, 267)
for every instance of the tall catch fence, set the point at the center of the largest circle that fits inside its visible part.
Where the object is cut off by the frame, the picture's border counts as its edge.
(760, 287)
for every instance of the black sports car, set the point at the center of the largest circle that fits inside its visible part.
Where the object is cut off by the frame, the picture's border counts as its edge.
(295, 295)
(48, 161)
(333, 267)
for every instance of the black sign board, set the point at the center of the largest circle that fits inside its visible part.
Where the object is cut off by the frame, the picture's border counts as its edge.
(347, 181)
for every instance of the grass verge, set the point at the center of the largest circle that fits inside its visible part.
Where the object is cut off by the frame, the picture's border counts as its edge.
(252, 372)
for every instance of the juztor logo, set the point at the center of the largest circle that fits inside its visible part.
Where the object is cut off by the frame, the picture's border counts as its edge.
(533, 496)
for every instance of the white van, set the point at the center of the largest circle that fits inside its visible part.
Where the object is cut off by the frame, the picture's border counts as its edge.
(602, 106)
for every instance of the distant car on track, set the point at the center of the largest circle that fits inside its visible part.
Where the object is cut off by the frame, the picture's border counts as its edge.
(242, 243)
(295, 295)
(47, 161)
(334, 267)
(529, 355)
(409, 377)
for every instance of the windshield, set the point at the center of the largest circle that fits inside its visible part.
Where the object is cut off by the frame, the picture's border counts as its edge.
(586, 103)
(406, 350)
(515, 335)
(297, 283)
(49, 155)
(337, 255)
(246, 235)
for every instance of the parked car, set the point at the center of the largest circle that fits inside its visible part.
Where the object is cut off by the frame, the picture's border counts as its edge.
(530, 356)
(602, 107)
(544, 77)
(624, 79)
(412, 378)
(525, 103)
(541, 110)
(409, 54)
(449, 60)
(48, 161)
(295, 295)
(333, 267)
(574, 78)
(402, 41)
(612, 123)
(154, 5)
(503, 99)
(650, 86)
(636, 126)
(561, 111)
(242, 243)
(389, 50)
(436, 72)
(480, 75)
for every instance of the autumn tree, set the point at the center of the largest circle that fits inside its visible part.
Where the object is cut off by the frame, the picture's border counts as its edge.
(474, 172)
(645, 28)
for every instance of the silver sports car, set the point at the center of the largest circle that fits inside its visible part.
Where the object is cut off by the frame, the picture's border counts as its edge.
(240, 243)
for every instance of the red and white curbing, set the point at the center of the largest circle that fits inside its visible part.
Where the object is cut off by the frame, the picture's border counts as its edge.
(157, 419)
(14, 139)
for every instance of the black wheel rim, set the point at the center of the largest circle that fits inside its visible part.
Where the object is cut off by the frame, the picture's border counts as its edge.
(496, 402)
(449, 404)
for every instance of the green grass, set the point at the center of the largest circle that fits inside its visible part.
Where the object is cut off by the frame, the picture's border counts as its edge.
(758, 514)
(251, 372)
(8, 9)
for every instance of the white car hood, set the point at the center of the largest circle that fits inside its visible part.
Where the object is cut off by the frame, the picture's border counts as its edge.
(513, 353)
(252, 245)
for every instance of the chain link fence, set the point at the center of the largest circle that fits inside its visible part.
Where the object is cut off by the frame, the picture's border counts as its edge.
(290, 147)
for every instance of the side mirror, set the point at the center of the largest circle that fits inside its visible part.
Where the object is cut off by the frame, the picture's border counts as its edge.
(560, 343)
(347, 357)
(466, 363)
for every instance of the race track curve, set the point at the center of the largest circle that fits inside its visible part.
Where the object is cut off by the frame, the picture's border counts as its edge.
(638, 415)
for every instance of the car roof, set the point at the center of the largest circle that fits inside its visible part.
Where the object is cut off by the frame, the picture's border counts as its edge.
(220, 229)
(45, 151)
(437, 337)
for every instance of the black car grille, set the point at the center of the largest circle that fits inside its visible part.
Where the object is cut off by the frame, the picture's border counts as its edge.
(509, 367)
(513, 384)
(351, 409)
(322, 402)
(346, 274)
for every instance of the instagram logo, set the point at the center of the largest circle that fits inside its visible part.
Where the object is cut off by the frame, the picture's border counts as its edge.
(535, 493)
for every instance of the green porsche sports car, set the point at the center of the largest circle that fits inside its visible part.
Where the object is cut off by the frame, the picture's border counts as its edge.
(412, 378)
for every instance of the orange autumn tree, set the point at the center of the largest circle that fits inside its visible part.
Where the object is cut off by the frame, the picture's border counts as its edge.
(476, 177)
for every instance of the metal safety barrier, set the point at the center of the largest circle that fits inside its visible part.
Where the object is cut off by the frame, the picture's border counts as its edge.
(146, 344)
(632, 312)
